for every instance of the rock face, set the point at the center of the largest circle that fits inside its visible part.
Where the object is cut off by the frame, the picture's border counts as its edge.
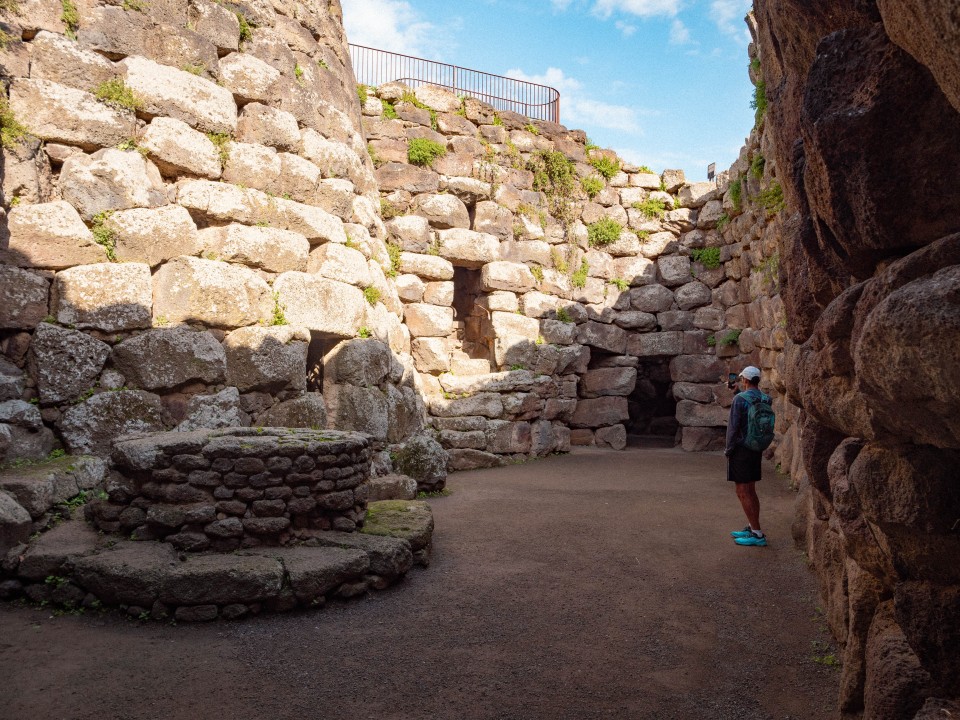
(875, 449)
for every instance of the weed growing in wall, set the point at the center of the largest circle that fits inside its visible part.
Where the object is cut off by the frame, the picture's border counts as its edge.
(388, 210)
(104, 236)
(736, 193)
(757, 165)
(393, 251)
(722, 222)
(362, 94)
(651, 208)
(605, 166)
(323, 64)
(364, 332)
(497, 120)
(592, 185)
(423, 151)
(708, 257)
(731, 338)
(116, 94)
(371, 295)
(531, 128)
(772, 199)
(559, 261)
(537, 273)
(298, 73)
(279, 311)
(646, 169)
(389, 111)
(246, 30)
(11, 131)
(604, 232)
(769, 271)
(553, 175)
(579, 278)
(194, 69)
(563, 315)
(621, 284)
(130, 145)
(70, 18)
(759, 102)
(221, 142)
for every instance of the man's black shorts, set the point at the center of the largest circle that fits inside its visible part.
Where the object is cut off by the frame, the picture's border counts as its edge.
(743, 466)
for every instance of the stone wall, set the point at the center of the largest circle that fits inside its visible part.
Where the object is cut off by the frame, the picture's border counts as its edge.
(864, 131)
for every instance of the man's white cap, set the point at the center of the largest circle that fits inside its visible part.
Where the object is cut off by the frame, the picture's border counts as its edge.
(750, 373)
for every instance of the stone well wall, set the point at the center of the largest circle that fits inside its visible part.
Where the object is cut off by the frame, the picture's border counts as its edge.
(243, 487)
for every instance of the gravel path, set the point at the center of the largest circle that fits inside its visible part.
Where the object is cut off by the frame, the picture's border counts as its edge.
(596, 585)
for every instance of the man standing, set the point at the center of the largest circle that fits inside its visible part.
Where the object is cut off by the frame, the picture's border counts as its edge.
(743, 464)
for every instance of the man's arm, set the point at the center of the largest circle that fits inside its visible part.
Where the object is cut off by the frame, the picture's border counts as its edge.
(734, 425)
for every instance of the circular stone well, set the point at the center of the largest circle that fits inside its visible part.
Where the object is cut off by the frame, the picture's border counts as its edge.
(222, 490)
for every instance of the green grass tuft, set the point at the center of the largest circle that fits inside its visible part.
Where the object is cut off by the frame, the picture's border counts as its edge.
(423, 151)
(371, 295)
(652, 208)
(708, 257)
(592, 185)
(116, 94)
(12, 132)
(605, 166)
(604, 232)
(279, 311)
(579, 278)
(104, 236)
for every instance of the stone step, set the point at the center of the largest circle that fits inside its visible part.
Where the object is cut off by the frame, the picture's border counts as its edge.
(38, 487)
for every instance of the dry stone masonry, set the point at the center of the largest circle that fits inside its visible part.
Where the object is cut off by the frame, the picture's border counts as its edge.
(204, 228)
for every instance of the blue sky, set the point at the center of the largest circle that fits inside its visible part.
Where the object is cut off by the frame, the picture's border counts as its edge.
(662, 82)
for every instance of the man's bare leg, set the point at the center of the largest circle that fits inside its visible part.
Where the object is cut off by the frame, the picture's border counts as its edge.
(747, 494)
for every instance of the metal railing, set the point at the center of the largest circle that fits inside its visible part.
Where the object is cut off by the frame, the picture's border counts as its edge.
(376, 67)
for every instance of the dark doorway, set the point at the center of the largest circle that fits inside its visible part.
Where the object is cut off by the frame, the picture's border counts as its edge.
(473, 321)
(652, 407)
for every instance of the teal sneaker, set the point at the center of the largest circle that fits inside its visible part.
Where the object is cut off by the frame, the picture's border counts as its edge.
(752, 540)
(746, 532)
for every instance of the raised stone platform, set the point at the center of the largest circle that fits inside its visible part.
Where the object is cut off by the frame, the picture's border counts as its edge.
(239, 487)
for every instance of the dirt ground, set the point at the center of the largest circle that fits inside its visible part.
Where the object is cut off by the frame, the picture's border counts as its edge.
(595, 585)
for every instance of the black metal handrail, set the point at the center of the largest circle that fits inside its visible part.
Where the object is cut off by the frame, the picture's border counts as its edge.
(376, 67)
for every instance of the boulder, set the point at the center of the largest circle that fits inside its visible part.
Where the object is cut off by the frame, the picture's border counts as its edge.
(253, 166)
(24, 298)
(693, 294)
(110, 180)
(61, 60)
(12, 382)
(412, 232)
(651, 298)
(92, 426)
(219, 410)
(152, 235)
(662, 344)
(177, 149)
(15, 523)
(694, 414)
(268, 359)
(247, 77)
(306, 411)
(613, 437)
(265, 125)
(410, 520)
(165, 358)
(423, 459)
(59, 114)
(264, 248)
(608, 381)
(427, 267)
(363, 362)
(363, 409)
(65, 363)
(466, 248)
(502, 275)
(605, 337)
(442, 211)
(428, 320)
(189, 289)
(327, 307)
(694, 368)
(600, 412)
(341, 263)
(110, 297)
(169, 92)
(391, 487)
(50, 235)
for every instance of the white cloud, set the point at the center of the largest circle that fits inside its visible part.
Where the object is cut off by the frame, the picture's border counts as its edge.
(626, 28)
(679, 33)
(577, 108)
(389, 25)
(560, 5)
(640, 8)
(728, 16)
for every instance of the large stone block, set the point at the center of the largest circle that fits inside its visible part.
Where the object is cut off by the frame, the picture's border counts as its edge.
(189, 289)
(339, 262)
(50, 235)
(166, 91)
(60, 114)
(15, 523)
(362, 362)
(108, 296)
(428, 267)
(442, 211)
(335, 159)
(431, 354)
(656, 344)
(91, 427)
(65, 363)
(512, 325)
(268, 359)
(694, 414)
(428, 320)
(466, 248)
(606, 337)
(177, 149)
(265, 125)
(693, 294)
(502, 275)
(152, 235)
(327, 307)
(489, 405)
(363, 409)
(24, 298)
(266, 248)
(60, 60)
(247, 77)
(222, 580)
(307, 411)
(651, 298)
(412, 231)
(697, 368)
(217, 410)
(608, 381)
(110, 180)
(251, 166)
(600, 412)
(165, 358)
